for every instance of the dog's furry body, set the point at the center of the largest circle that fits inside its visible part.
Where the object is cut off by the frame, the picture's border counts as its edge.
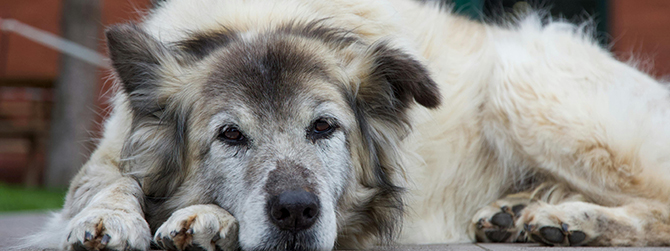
(531, 108)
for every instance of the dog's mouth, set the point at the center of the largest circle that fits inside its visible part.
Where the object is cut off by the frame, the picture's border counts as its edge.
(287, 240)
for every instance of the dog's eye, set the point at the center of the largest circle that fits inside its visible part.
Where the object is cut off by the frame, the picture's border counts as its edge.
(321, 128)
(232, 135)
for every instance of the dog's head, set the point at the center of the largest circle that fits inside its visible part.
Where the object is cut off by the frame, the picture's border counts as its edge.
(295, 130)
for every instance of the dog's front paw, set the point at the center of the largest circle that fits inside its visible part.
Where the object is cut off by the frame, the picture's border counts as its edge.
(107, 229)
(198, 227)
(497, 221)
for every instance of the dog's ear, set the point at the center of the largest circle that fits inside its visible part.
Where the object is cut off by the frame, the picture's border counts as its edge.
(399, 78)
(155, 148)
(136, 57)
(389, 82)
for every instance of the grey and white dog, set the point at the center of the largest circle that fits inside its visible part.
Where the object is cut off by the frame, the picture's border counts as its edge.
(309, 125)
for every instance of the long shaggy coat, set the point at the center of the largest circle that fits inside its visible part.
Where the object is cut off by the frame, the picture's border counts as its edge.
(438, 129)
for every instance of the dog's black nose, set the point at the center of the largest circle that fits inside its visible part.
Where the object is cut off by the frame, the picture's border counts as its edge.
(294, 210)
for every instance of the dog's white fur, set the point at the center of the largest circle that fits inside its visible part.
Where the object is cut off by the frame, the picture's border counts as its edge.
(518, 101)
(544, 98)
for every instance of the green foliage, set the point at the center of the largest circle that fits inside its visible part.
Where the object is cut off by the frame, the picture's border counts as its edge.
(14, 198)
(472, 8)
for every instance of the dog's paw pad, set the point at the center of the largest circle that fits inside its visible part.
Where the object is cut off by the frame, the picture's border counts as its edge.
(499, 235)
(165, 242)
(554, 236)
(516, 209)
(503, 220)
(497, 224)
(576, 238)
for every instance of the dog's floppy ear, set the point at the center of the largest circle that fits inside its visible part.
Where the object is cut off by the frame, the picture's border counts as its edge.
(398, 76)
(390, 81)
(155, 148)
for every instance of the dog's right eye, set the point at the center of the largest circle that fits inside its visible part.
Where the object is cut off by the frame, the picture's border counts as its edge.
(232, 135)
(321, 128)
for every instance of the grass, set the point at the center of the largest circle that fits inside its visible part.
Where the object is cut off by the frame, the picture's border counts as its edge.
(15, 198)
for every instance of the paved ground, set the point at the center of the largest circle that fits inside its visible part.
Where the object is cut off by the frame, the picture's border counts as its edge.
(16, 225)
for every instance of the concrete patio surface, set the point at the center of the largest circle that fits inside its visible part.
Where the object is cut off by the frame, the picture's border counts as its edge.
(13, 226)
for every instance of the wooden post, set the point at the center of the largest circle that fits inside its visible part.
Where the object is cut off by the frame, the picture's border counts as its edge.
(75, 92)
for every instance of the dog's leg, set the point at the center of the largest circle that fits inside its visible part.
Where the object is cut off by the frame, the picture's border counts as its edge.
(207, 227)
(575, 223)
(555, 215)
(112, 218)
(594, 124)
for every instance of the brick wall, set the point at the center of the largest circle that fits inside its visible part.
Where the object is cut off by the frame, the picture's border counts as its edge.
(24, 117)
(27, 72)
(641, 29)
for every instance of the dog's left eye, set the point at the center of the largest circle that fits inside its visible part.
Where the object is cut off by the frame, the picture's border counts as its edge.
(232, 135)
(321, 128)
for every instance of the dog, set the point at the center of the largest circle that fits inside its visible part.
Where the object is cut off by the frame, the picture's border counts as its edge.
(313, 125)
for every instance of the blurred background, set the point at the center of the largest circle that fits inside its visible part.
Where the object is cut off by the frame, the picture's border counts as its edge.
(54, 86)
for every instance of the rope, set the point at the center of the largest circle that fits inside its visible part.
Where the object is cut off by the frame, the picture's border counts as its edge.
(55, 42)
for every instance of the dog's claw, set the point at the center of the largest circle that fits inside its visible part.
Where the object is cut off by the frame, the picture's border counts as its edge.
(88, 236)
(480, 223)
(565, 227)
(216, 238)
(105, 239)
